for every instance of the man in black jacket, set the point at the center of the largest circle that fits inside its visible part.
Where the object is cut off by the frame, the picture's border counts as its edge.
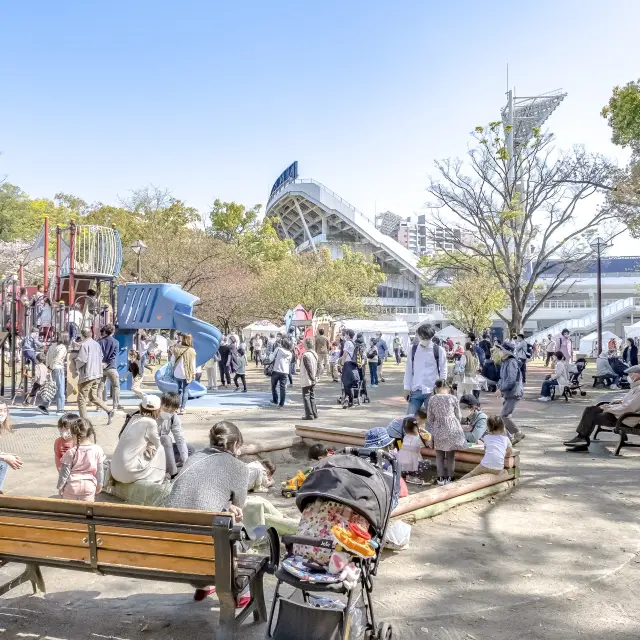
(110, 348)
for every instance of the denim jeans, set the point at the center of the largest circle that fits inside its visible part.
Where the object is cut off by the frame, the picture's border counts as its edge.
(183, 391)
(373, 372)
(416, 400)
(279, 379)
(397, 354)
(3, 471)
(546, 388)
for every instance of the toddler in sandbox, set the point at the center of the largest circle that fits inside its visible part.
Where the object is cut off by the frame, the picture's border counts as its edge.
(497, 447)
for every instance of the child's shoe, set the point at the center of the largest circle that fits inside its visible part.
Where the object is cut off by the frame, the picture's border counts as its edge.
(441, 481)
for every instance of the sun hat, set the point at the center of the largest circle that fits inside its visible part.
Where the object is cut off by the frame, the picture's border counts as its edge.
(469, 400)
(508, 348)
(377, 438)
(634, 369)
(150, 402)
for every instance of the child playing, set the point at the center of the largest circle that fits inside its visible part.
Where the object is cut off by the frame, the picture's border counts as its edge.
(396, 430)
(65, 441)
(136, 373)
(40, 377)
(443, 420)
(317, 452)
(210, 368)
(334, 357)
(409, 455)
(82, 470)
(475, 419)
(241, 371)
(497, 447)
(171, 435)
(261, 475)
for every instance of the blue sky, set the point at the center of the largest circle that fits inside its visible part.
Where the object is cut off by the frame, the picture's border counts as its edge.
(214, 99)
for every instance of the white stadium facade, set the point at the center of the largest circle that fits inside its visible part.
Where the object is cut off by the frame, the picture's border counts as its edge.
(313, 216)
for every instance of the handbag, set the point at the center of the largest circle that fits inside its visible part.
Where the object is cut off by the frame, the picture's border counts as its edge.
(48, 391)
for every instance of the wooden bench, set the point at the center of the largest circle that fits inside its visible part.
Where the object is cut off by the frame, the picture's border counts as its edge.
(628, 425)
(194, 547)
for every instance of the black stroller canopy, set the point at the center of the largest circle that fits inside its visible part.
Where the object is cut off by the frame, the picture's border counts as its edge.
(352, 481)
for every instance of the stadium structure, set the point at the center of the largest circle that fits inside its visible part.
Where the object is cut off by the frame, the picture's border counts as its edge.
(313, 216)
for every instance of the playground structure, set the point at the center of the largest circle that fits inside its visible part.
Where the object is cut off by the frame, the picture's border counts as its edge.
(84, 294)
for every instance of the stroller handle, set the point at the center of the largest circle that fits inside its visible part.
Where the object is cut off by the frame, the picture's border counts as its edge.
(373, 454)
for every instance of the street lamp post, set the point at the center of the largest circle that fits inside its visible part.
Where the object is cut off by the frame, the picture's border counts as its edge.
(598, 245)
(139, 247)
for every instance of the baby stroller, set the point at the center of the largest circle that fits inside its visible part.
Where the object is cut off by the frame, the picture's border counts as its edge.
(575, 385)
(354, 478)
(360, 393)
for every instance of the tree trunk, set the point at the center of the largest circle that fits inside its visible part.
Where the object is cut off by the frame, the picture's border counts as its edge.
(515, 326)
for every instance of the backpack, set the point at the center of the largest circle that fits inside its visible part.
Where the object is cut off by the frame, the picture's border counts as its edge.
(436, 355)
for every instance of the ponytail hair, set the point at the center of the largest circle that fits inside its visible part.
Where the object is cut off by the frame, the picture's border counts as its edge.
(225, 435)
(410, 426)
(441, 384)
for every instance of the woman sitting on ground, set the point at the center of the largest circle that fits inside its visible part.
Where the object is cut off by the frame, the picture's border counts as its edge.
(604, 369)
(559, 379)
(220, 482)
(139, 454)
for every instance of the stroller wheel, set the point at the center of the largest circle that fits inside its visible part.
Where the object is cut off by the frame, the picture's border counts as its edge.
(583, 393)
(385, 631)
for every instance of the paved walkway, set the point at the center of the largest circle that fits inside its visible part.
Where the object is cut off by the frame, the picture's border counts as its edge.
(556, 559)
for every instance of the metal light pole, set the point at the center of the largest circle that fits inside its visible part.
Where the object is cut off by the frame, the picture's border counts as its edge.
(598, 244)
(138, 247)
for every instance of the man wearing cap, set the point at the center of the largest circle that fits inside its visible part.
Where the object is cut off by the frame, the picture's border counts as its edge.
(510, 386)
(606, 415)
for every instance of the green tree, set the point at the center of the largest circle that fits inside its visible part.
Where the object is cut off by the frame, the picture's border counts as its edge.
(515, 217)
(471, 298)
(319, 283)
(623, 115)
(230, 221)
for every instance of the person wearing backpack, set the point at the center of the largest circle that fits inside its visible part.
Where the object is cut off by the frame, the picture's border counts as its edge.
(350, 373)
(466, 372)
(373, 358)
(427, 362)
(523, 352)
(510, 387)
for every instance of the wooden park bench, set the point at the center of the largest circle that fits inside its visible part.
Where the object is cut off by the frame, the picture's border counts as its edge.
(194, 547)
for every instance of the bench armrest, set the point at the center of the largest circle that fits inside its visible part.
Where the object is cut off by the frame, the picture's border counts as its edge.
(631, 415)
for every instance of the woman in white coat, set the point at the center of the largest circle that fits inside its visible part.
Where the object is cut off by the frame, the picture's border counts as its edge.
(559, 379)
(139, 454)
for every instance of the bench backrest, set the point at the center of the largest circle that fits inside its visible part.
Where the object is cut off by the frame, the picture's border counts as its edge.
(109, 537)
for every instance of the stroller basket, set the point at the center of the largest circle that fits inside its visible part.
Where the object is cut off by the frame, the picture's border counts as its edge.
(299, 620)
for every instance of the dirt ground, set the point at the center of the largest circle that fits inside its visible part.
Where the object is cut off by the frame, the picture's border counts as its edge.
(556, 558)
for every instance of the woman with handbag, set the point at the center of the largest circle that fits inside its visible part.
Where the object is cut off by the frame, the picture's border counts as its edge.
(55, 386)
(184, 368)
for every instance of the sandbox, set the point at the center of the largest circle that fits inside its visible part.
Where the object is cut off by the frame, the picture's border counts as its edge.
(426, 502)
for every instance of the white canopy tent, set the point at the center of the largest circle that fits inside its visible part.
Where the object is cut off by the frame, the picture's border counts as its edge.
(263, 327)
(388, 329)
(451, 332)
(632, 331)
(589, 344)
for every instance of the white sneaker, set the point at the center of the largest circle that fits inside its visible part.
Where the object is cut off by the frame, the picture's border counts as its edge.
(441, 482)
(614, 387)
(544, 399)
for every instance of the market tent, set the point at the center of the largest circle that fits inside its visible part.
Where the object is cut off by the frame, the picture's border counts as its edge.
(632, 331)
(451, 332)
(260, 326)
(589, 344)
(388, 329)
